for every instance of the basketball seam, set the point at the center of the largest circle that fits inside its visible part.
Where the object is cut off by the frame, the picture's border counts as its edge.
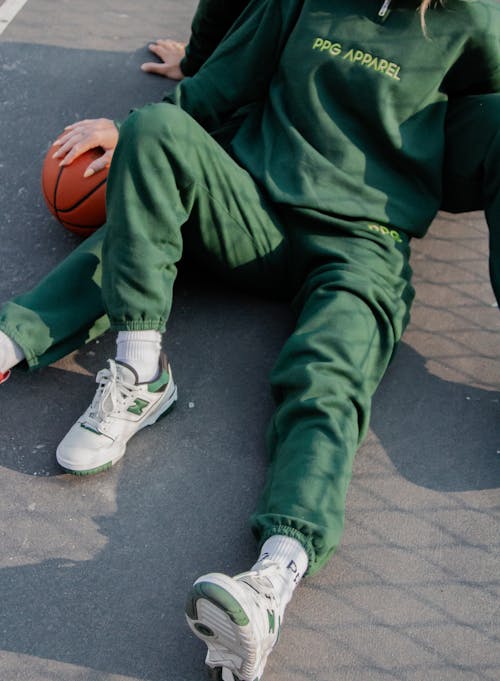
(80, 201)
(54, 202)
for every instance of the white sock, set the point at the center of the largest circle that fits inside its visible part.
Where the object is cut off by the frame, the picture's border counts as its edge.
(140, 350)
(291, 556)
(10, 353)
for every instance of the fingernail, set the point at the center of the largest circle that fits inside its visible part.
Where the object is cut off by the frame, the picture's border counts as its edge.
(88, 172)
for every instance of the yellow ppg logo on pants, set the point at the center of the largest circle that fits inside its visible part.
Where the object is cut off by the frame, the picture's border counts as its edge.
(381, 229)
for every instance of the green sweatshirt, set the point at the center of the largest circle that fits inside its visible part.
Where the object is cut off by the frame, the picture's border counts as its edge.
(350, 103)
(212, 20)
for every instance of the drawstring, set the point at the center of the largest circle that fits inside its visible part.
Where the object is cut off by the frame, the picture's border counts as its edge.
(384, 9)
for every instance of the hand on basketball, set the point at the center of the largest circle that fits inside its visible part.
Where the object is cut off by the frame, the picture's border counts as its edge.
(84, 135)
(171, 54)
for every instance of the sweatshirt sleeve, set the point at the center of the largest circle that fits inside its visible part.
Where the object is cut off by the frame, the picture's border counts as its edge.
(477, 71)
(211, 22)
(241, 68)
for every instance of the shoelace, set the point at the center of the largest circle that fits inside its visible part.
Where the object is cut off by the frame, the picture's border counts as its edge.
(113, 394)
(260, 582)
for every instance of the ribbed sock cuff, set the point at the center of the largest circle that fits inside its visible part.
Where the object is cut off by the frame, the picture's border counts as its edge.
(140, 350)
(291, 558)
(287, 552)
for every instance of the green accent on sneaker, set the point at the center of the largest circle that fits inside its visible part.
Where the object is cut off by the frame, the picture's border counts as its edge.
(220, 598)
(92, 430)
(160, 382)
(91, 471)
(138, 406)
(167, 411)
(272, 621)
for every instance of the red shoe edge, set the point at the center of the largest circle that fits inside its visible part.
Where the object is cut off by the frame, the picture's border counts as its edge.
(4, 377)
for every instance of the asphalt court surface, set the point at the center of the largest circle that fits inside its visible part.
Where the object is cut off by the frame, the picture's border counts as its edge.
(94, 573)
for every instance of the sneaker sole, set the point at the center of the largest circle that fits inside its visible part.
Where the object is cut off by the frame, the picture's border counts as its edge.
(219, 619)
(166, 409)
(220, 674)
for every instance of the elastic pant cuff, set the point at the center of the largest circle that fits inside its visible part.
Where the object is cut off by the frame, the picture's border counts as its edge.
(152, 325)
(29, 355)
(288, 531)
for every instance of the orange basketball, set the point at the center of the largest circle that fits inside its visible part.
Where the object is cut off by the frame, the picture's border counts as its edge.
(79, 203)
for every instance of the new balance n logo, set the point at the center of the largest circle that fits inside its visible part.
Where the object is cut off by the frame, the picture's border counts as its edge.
(138, 407)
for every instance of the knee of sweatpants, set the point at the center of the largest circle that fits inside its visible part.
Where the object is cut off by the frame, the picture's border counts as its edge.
(156, 122)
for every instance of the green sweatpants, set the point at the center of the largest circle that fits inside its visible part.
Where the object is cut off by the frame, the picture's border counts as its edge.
(171, 187)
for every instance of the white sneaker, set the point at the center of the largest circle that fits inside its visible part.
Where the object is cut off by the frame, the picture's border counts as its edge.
(120, 408)
(239, 619)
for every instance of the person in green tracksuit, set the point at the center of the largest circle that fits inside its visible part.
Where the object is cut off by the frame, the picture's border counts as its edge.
(472, 121)
(335, 167)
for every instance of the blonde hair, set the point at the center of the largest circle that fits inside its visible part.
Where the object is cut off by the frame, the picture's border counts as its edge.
(422, 9)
